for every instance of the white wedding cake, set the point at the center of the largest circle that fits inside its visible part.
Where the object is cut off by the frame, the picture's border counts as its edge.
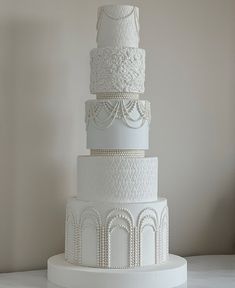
(116, 226)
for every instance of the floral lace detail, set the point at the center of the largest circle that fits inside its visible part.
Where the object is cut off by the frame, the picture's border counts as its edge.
(117, 70)
(133, 113)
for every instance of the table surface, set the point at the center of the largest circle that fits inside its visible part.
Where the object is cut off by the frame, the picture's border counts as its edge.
(215, 271)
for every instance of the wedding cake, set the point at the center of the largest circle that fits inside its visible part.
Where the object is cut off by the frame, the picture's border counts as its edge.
(116, 226)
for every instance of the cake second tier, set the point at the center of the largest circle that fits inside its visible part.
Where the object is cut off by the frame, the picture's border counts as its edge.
(117, 179)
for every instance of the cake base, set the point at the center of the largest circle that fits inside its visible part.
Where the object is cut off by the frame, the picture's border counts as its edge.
(170, 274)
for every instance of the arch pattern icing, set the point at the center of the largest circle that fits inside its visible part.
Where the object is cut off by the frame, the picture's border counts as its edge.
(107, 224)
(90, 217)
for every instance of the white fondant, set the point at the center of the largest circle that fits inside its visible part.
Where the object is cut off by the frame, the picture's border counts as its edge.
(117, 179)
(121, 224)
(117, 70)
(172, 273)
(118, 136)
(148, 245)
(118, 124)
(118, 26)
(119, 235)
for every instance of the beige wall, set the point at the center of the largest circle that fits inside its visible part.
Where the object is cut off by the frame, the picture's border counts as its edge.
(44, 81)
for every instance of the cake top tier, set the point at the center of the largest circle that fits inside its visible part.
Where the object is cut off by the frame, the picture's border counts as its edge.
(118, 26)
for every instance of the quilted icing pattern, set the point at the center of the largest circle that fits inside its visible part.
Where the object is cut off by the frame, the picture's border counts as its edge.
(117, 179)
(129, 179)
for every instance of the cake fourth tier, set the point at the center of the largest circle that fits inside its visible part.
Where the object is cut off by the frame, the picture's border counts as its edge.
(115, 69)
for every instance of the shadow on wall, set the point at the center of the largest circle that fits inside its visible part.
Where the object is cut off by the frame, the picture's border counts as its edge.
(221, 225)
(33, 136)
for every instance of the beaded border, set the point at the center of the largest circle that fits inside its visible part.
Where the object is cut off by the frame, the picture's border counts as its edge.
(117, 96)
(117, 152)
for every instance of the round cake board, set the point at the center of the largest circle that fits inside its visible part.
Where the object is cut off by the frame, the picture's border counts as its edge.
(171, 273)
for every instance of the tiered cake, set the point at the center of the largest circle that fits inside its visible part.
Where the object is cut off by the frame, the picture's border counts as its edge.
(117, 227)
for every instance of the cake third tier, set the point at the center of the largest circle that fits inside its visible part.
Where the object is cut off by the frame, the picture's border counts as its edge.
(118, 124)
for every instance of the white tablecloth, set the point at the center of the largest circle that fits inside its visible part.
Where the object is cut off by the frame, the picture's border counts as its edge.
(211, 271)
(203, 272)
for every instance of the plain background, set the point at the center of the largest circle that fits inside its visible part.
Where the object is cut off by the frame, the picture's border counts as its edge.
(44, 81)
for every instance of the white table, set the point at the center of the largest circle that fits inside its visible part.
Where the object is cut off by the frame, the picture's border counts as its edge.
(203, 272)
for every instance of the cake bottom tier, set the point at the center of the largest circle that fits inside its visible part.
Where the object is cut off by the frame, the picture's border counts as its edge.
(172, 273)
(116, 235)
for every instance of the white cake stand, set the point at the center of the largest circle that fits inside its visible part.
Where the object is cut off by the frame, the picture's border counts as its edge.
(170, 274)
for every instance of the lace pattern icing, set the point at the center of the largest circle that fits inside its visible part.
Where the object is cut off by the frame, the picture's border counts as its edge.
(133, 113)
(117, 70)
